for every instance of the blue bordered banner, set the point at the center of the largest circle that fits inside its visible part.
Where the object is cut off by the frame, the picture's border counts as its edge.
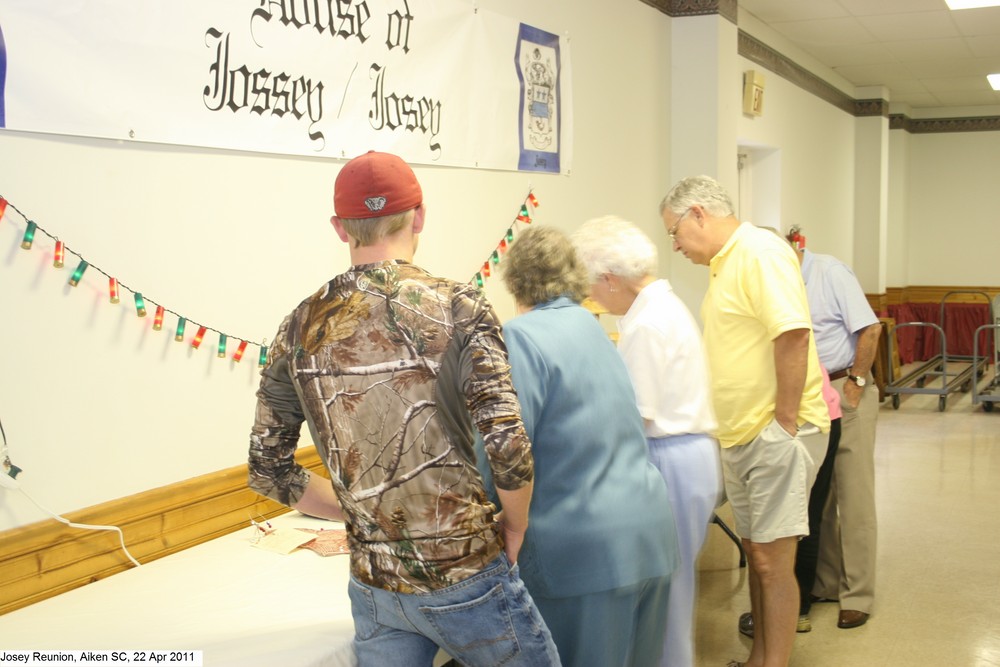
(539, 72)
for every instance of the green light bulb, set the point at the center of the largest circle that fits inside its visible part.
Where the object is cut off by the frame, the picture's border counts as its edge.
(140, 305)
(74, 279)
(29, 236)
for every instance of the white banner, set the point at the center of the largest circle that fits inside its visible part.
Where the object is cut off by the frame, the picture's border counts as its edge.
(435, 81)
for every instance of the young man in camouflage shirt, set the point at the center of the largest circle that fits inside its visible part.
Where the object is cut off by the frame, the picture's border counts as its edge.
(391, 368)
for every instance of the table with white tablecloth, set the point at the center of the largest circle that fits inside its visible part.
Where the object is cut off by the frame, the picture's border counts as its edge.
(241, 605)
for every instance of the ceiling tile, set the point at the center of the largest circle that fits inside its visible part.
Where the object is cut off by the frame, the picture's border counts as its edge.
(917, 99)
(952, 84)
(984, 46)
(968, 98)
(836, 55)
(978, 21)
(913, 25)
(965, 67)
(828, 31)
(875, 7)
(910, 85)
(771, 11)
(929, 49)
(874, 75)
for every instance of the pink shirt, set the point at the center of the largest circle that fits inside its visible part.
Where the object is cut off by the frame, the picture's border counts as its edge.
(830, 395)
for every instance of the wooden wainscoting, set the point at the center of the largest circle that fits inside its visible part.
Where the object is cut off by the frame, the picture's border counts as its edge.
(879, 302)
(895, 296)
(44, 559)
(935, 293)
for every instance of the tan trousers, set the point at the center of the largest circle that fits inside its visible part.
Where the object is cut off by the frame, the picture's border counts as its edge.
(846, 568)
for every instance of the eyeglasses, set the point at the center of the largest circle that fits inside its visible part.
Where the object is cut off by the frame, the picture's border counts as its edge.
(672, 232)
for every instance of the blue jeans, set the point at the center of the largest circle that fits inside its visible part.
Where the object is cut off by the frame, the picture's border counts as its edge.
(486, 620)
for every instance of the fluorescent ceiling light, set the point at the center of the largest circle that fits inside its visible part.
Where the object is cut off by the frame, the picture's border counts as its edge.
(971, 4)
(994, 80)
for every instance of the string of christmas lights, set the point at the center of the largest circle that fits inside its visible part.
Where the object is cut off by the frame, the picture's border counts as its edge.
(115, 287)
(524, 217)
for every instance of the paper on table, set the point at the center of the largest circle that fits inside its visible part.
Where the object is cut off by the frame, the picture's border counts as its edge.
(281, 540)
(328, 542)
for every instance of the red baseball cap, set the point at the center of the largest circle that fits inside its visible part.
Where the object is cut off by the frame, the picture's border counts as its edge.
(375, 184)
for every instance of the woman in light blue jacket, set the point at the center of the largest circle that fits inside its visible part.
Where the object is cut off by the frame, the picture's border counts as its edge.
(601, 541)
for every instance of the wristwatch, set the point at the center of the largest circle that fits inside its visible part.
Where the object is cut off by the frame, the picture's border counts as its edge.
(856, 379)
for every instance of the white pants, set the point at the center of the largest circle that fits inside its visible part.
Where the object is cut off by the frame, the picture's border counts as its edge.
(690, 466)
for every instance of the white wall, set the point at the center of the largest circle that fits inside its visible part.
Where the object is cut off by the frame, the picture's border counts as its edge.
(897, 246)
(952, 210)
(812, 143)
(97, 406)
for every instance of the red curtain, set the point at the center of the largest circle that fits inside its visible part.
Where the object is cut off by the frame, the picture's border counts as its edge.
(919, 343)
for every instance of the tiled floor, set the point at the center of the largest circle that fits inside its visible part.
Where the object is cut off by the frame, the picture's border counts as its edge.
(938, 590)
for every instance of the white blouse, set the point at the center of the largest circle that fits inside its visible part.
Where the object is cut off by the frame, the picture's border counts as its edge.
(663, 350)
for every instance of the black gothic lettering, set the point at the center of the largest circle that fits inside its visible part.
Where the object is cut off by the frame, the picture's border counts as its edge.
(263, 12)
(260, 88)
(280, 95)
(260, 92)
(343, 19)
(398, 32)
(239, 80)
(391, 111)
(216, 90)
(351, 24)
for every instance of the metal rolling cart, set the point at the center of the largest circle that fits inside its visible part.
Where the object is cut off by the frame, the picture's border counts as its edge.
(955, 372)
(990, 393)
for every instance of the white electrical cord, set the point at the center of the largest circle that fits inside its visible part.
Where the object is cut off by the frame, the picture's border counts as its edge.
(85, 526)
(8, 480)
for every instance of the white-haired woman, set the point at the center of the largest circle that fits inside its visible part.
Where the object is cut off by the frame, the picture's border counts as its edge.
(662, 348)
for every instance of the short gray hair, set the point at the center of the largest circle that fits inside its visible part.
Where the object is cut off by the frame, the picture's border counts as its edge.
(702, 191)
(616, 246)
(542, 265)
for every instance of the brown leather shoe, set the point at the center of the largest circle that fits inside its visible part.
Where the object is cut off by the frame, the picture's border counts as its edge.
(850, 618)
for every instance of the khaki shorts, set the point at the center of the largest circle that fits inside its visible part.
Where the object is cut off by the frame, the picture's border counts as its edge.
(768, 481)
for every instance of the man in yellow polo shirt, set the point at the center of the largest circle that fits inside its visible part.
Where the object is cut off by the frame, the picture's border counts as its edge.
(767, 392)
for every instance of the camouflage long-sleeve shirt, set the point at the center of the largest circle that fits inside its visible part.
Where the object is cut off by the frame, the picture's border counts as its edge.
(391, 368)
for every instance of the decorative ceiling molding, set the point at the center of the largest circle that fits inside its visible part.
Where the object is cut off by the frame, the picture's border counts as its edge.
(875, 107)
(753, 49)
(898, 121)
(936, 125)
(724, 8)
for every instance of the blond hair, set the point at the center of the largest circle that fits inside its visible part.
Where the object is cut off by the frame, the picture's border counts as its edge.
(369, 231)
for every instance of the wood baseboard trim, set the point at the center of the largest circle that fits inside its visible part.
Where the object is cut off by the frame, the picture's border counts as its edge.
(895, 296)
(43, 559)
(935, 294)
